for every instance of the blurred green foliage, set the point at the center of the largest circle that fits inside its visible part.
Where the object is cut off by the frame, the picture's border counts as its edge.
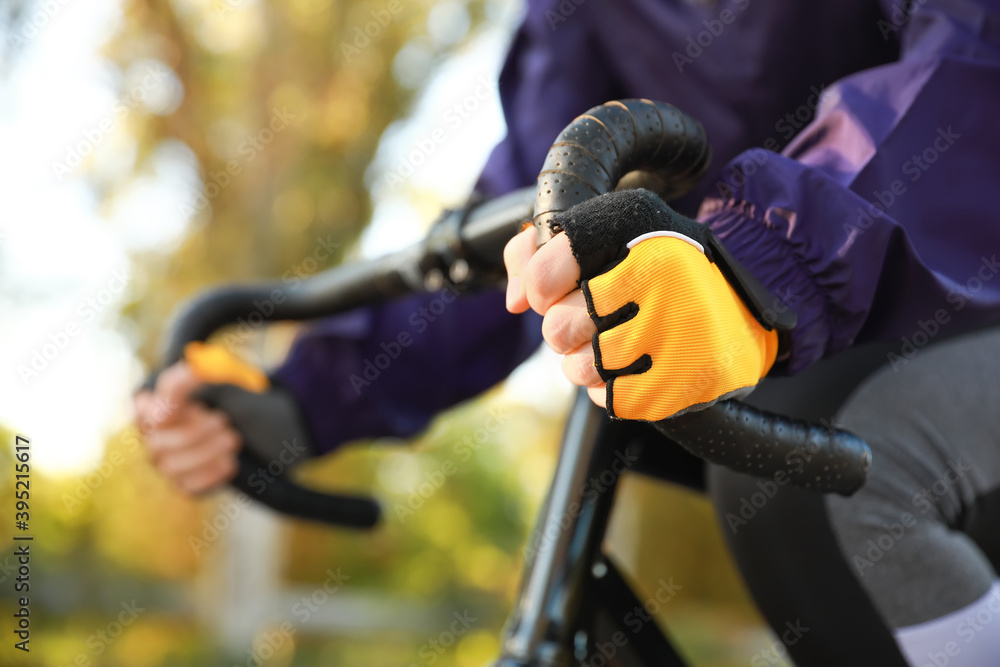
(121, 533)
(240, 62)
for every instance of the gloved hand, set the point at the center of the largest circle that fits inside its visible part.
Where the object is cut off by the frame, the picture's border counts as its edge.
(677, 323)
(267, 416)
(197, 414)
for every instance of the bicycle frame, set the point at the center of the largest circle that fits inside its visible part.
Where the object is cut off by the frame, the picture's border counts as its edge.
(618, 138)
(574, 606)
(573, 598)
(574, 603)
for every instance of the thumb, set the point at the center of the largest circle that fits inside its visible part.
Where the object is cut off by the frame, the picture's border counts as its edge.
(516, 255)
(174, 387)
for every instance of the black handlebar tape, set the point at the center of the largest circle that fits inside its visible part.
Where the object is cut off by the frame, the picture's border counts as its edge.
(588, 159)
(328, 293)
(282, 495)
(607, 142)
(341, 289)
(334, 291)
(763, 444)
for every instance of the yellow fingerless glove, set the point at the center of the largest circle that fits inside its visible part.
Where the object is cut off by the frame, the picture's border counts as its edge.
(268, 417)
(672, 334)
(214, 364)
(681, 323)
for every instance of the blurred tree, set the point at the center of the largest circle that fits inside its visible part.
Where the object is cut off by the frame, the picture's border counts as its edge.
(281, 105)
(265, 115)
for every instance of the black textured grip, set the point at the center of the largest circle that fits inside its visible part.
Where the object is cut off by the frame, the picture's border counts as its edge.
(588, 159)
(600, 147)
(764, 444)
(289, 498)
(328, 293)
(489, 226)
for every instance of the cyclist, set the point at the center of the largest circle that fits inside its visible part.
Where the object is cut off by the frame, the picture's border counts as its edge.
(871, 224)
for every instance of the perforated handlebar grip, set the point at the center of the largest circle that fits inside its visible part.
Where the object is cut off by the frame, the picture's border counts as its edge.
(600, 147)
(763, 444)
(588, 159)
(337, 290)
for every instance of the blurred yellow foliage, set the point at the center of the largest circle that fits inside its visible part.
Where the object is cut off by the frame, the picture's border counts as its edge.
(121, 532)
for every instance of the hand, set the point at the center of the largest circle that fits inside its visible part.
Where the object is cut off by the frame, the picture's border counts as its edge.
(193, 446)
(546, 281)
(668, 331)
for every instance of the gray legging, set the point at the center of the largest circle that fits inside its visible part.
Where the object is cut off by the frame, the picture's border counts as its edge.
(919, 541)
(923, 535)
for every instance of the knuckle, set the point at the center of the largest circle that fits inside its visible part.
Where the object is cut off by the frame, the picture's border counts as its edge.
(174, 384)
(153, 449)
(140, 405)
(169, 378)
(146, 425)
(168, 467)
(157, 443)
(162, 411)
(539, 272)
(577, 369)
(588, 372)
(567, 326)
(227, 469)
(192, 487)
(214, 421)
(539, 283)
(518, 252)
(555, 331)
(598, 394)
(230, 441)
(511, 252)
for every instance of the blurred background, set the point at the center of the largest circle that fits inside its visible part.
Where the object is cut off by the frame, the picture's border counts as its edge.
(135, 171)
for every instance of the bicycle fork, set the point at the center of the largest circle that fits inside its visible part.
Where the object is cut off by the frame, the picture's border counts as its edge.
(572, 597)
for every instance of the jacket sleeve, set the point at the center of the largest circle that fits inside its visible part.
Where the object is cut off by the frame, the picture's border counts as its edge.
(335, 369)
(387, 371)
(879, 221)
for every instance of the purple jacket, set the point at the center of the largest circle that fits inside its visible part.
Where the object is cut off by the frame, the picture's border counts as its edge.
(876, 221)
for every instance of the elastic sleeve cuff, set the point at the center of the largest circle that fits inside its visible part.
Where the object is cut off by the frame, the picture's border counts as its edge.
(761, 247)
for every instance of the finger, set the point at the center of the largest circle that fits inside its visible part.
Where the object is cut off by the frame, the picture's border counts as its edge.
(173, 388)
(578, 367)
(160, 437)
(567, 325)
(622, 345)
(218, 473)
(142, 405)
(202, 455)
(599, 395)
(516, 255)
(551, 274)
(196, 424)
